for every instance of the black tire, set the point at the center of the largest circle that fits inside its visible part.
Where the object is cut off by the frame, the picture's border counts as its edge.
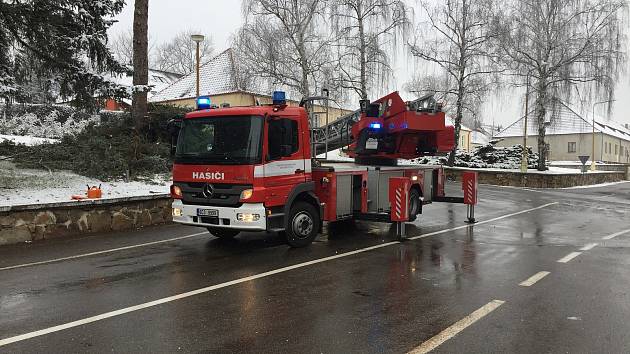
(414, 204)
(224, 234)
(302, 225)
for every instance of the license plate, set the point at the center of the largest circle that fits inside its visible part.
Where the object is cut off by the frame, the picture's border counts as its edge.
(371, 144)
(207, 212)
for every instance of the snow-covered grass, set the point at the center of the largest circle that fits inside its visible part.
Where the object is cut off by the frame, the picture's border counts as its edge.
(27, 186)
(26, 140)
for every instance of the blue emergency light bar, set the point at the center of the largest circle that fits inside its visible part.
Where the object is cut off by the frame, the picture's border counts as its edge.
(203, 102)
(279, 98)
(375, 125)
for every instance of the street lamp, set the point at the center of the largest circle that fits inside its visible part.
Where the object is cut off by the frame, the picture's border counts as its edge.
(593, 166)
(197, 38)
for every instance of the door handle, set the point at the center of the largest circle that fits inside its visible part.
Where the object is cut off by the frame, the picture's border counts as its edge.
(299, 171)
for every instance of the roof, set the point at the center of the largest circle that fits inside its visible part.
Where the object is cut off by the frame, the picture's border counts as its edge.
(479, 138)
(567, 121)
(158, 79)
(218, 76)
(450, 121)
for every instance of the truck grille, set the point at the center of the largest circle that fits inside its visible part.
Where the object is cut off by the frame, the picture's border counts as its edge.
(225, 195)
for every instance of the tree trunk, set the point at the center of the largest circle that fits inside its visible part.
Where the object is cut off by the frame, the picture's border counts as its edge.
(458, 125)
(140, 63)
(541, 112)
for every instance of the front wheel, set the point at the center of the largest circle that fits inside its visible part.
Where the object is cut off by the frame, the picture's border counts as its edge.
(224, 234)
(303, 225)
(414, 204)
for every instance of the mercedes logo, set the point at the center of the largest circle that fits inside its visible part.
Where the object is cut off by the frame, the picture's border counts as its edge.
(208, 191)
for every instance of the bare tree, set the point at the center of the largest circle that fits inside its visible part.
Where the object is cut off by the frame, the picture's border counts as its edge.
(140, 63)
(366, 31)
(121, 46)
(562, 46)
(456, 39)
(178, 54)
(280, 41)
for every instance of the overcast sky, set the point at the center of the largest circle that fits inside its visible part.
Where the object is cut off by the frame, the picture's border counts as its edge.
(221, 18)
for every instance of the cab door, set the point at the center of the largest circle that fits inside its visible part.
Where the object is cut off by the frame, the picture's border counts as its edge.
(285, 165)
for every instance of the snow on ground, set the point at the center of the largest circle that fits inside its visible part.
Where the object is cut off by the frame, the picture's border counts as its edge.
(27, 140)
(26, 186)
(598, 185)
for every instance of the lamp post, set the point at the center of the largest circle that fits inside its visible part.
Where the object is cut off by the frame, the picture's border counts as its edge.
(197, 38)
(593, 166)
(524, 156)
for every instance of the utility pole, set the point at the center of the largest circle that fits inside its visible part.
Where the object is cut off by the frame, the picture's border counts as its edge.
(327, 93)
(524, 156)
(197, 38)
(593, 166)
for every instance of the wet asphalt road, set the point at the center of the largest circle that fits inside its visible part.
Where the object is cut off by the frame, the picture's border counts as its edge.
(387, 299)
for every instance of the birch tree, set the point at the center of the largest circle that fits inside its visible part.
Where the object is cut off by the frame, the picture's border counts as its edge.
(455, 39)
(282, 42)
(562, 46)
(366, 31)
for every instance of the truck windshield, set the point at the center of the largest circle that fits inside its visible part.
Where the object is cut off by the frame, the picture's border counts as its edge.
(230, 140)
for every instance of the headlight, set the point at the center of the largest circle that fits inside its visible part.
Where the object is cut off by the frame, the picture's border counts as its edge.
(177, 212)
(176, 192)
(247, 217)
(246, 194)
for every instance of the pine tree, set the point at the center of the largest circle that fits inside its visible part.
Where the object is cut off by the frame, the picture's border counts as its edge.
(66, 40)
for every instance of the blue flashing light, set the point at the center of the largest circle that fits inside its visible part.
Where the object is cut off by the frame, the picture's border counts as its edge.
(279, 98)
(375, 126)
(203, 102)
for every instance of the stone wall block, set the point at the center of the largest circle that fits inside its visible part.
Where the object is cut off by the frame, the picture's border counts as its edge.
(99, 221)
(121, 221)
(15, 235)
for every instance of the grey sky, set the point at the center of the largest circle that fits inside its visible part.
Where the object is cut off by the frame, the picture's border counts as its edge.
(221, 18)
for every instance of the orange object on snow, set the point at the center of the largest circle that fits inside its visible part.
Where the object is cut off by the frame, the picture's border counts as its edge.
(94, 192)
(77, 197)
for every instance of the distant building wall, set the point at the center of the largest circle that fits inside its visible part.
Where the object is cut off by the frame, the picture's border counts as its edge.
(610, 149)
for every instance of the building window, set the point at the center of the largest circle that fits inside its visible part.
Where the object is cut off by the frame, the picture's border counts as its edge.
(572, 146)
(605, 148)
(610, 148)
(621, 150)
(616, 149)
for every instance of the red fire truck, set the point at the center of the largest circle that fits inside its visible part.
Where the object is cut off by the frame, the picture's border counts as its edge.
(255, 168)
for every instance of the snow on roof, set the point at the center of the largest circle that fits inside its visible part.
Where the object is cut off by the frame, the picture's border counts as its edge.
(567, 121)
(158, 79)
(217, 76)
(450, 121)
(479, 138)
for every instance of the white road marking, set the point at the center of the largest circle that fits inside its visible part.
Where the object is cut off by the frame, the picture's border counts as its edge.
(610, 237)
(482, 222)
(589, 247)
(456, 328)
(106, 315)
(102, 252)
(569, 257)
(22, 337)
(534, 279)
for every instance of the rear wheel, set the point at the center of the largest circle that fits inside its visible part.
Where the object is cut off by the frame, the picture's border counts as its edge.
(303, 225)
(414, 204)
(224, 234)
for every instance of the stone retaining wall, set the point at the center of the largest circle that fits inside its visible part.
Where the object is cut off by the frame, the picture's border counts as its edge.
(25, 223)
(539, 180)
